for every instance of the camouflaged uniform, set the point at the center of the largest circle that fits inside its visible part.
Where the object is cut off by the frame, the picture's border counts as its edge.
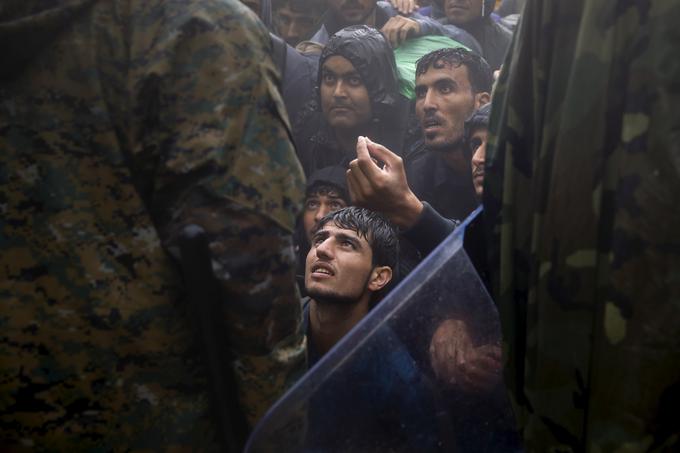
(120, 122)
(583, 195)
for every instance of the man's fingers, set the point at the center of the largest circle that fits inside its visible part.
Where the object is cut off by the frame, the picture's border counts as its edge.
(383, 154)
(365, 161)
(362, 184)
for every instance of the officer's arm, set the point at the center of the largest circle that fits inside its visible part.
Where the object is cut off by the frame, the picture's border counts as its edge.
(223, 160)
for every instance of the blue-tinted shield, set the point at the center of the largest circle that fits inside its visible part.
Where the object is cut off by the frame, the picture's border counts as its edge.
(420, 373)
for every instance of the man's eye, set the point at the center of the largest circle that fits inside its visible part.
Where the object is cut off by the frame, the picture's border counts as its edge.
(420, 94)
(475, 143)
(348, 244)
(328, 79)
(445, 89)
(336, 205)
(312, 204)
(355, 81)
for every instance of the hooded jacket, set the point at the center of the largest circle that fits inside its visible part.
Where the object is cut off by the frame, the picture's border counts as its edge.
(121, 122)
(371, 55)
(492, 37)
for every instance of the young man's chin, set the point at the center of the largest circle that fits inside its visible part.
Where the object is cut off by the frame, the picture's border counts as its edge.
(330, 297)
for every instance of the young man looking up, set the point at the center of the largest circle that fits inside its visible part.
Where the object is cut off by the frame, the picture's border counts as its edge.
(351, 259)
(326, 192)
(450, 85)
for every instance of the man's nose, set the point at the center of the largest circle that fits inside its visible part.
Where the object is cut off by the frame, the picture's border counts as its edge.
(324, 249)
(479, 155)
(340, 90)
(321, 212)
(430, 101)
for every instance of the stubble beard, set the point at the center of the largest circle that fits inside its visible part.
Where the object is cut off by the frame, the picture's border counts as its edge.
(333, 297)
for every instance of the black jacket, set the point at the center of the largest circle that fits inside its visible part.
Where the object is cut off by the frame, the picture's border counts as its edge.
(372, 56)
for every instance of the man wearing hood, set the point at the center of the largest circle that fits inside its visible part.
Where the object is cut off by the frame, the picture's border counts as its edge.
(474, 16)
(122, 123)
(358, 95)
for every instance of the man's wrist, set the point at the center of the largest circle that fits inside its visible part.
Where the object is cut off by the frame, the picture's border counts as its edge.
(407, 213)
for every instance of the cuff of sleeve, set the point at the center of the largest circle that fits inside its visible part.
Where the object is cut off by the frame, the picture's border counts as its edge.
(429, 230)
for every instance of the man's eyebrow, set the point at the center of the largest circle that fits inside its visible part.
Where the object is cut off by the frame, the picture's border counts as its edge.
(346, 237)
(321, 234)
(445, 81)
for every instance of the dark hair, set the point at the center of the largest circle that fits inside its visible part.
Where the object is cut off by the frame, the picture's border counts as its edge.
(481, 77)
(323, 188)
(380, 234)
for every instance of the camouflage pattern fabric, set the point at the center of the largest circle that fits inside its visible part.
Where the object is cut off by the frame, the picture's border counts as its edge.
(121, 122)
(582, 194)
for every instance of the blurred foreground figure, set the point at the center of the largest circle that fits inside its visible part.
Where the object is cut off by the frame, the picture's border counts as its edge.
(582, 194)
(121, 122)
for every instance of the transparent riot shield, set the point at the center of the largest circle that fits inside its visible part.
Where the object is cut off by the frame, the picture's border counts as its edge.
(420, 373)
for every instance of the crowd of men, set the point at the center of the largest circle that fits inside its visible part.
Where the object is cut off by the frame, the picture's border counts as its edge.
(306, 155)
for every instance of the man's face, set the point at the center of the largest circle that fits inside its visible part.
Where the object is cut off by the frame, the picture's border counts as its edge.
(294, 26)
(478, 148)
(317, 205)
(344, 98)
(444, 99)
(351, 12)
(338, 266)
(461, 12)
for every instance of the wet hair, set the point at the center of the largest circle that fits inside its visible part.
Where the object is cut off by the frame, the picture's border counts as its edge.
(480, 74)
(380, 234)
(325, 189)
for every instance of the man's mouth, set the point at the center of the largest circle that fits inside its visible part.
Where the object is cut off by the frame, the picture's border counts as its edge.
(431, 123)
(340, 108)
(321, 269)
(457, 8)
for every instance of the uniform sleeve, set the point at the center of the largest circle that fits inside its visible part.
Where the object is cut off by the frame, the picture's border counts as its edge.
(213, 148)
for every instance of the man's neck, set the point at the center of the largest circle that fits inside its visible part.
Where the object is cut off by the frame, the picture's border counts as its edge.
(329, 322)
(347, 140)
(454, 158)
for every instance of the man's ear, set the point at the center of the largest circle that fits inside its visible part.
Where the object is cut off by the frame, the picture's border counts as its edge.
(380, 277)
(481, 99)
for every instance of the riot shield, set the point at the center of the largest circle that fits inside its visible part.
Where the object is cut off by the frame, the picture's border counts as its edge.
(421, 373)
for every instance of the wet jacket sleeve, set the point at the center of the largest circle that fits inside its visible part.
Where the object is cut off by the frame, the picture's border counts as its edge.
(216, 151)
(430, 230)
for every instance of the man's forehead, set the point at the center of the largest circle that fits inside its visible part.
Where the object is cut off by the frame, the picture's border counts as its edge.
(334, 229)
(339, 65)
(444, 70)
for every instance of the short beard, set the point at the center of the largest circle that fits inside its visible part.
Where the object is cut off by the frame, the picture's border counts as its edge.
(332, 298)
(448, 147)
